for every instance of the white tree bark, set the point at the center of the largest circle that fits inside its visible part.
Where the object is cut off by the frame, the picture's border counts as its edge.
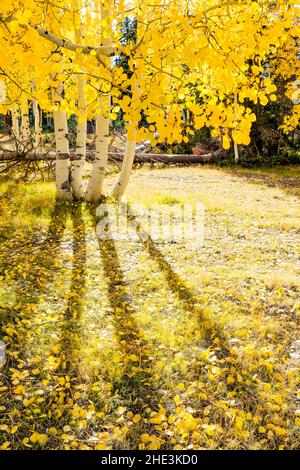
(26, 134)
(95, 185)
(62, 162)
(65, 43)
(15, 122)
(235, 146)
(126, 169)
(130, 148)
(236, 152)
(37, 125)
(77, 165)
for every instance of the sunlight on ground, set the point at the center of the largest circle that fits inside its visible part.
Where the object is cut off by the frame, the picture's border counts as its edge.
(151, 345)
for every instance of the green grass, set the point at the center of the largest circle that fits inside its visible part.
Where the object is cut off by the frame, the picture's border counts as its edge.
(125, 345)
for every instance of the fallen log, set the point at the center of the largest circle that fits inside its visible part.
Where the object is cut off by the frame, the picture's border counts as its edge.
(12, 156)
(167, 158)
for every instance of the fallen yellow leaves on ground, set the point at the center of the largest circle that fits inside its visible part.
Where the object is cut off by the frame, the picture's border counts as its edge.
(120, 345)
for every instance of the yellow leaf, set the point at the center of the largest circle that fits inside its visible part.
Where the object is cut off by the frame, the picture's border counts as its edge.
(171, 419)
(19, 390)
(278, 399)
(37, 438)
(136, 418)
(226, 142)
(177, 399)
(5, 445)
(263, 100)
(52, 431)
(43, 439)
(239, 422)
(101, 446)
(133, 358)
(156, 419)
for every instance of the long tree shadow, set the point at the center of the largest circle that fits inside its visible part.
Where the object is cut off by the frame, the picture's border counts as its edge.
(190, 303)
(136, 388)
(64, 377)
(37, 269)
(71, 331)
(210, 330)
(15, 244)
(62, 374)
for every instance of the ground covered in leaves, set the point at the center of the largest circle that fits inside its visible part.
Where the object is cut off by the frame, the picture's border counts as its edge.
(151, 344)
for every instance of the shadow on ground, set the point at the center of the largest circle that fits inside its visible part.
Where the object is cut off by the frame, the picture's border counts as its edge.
(290, 183)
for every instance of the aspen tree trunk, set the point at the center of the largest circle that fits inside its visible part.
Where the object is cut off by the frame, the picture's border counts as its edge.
(62, 162)
(95, 185)
(15, 122)
(130, 148)
(77, 165)
(236, 152)
(26, 134)
(126, 169)
(37, 124)
(127, 163)
(235, 146)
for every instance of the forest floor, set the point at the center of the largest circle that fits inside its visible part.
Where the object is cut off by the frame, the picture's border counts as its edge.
(127, 344)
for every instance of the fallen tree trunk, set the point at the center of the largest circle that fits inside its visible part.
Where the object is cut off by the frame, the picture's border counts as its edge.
(10, 156)
(176, 158)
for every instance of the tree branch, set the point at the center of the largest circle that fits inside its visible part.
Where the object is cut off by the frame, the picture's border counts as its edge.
(64, 43)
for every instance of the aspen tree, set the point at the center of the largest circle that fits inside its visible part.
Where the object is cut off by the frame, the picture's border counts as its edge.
(235, 145)
(62, 162)
(77, 166)
(95, 185)
(15, 122)
(37, 125)
(130, 147)
(25, 125)
(191, 56)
